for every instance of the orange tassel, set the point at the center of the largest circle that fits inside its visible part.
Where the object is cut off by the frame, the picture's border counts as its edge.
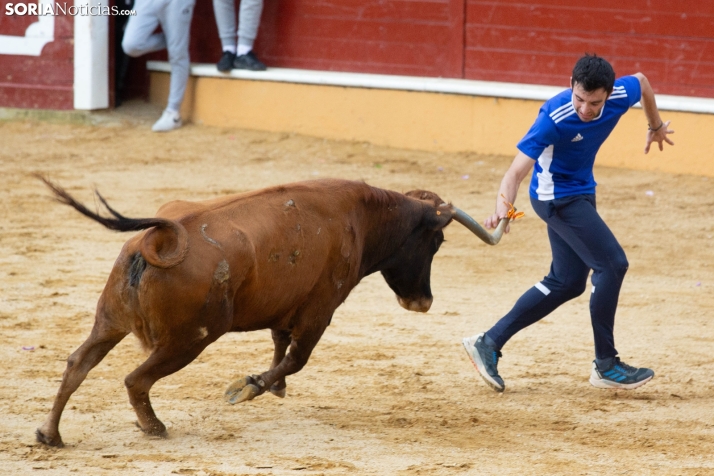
(512, 214)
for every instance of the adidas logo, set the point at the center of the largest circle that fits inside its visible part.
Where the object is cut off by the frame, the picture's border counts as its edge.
(577, 138)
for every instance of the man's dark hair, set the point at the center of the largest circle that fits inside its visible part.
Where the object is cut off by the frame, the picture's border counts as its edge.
(593, 73)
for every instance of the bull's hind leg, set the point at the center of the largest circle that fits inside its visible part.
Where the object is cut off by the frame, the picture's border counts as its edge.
(281, 342)
(163, 361)
(82, 360)
(304, 339)
(178, 347)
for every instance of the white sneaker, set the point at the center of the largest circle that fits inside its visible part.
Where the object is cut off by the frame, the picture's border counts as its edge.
(167, 122)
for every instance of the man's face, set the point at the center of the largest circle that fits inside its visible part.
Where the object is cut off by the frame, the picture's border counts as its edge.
(588, 104)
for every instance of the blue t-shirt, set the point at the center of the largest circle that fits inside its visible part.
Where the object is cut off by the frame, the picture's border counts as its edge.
(564, 146)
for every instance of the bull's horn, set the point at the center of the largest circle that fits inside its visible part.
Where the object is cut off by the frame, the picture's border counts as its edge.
(473, 226)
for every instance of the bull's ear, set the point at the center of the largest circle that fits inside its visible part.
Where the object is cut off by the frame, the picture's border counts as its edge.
(437, 218)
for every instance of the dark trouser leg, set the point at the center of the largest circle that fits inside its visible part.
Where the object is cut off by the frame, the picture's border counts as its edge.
(567, 280)
(580, 240)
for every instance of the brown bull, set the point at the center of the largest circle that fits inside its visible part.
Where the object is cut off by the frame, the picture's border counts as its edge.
(282, 258)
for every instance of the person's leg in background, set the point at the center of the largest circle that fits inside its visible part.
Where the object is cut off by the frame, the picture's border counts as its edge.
(248, 23)
(225, 13)
(176, 22)
(139, 37)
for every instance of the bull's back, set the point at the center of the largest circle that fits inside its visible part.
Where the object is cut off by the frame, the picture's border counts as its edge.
(276, 249)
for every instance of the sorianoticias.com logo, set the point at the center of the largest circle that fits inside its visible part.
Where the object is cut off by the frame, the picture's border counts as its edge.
(56, 8)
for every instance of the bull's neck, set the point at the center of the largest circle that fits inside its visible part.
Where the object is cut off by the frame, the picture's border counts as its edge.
(391, 218)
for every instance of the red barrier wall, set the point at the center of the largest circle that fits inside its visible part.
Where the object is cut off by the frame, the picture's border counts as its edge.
(492, 40)
(44, 81)
(495, 40)
(538, 42)
(407, 37)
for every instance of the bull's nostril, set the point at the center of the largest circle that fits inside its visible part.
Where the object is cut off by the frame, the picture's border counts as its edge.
(417, 305)
(424, 305)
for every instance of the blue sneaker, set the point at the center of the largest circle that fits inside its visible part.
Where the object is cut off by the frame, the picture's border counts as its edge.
(618, 374)
(485, 359)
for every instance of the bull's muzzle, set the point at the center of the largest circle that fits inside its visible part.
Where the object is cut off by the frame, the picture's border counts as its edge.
(417, 305)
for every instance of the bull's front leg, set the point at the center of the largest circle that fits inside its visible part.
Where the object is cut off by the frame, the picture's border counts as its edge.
(254, 384)
(246, 388)
(303, 342)
(281, 342)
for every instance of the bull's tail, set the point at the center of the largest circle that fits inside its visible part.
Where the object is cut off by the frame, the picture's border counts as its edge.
(164, 246)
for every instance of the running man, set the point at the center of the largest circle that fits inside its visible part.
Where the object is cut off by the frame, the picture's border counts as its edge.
(562, 144)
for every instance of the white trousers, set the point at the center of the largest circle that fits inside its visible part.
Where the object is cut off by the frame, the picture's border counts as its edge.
(174, 16)
(248, 21)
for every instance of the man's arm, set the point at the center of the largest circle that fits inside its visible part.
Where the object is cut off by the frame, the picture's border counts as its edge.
(658, 129)
(515, 174)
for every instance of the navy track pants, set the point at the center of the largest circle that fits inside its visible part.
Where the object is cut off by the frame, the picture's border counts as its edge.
(580, 241)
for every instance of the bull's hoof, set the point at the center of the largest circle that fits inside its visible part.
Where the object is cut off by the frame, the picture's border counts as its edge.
(237, 386)
(277, 391)
(158, 430)
(241, 390)
(55, 441)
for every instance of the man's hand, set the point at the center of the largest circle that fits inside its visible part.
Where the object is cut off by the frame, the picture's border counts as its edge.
(522, 164)
(493, 221)
(659, 136)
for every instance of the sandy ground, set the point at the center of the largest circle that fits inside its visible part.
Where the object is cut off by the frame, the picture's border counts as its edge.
(386, 391)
